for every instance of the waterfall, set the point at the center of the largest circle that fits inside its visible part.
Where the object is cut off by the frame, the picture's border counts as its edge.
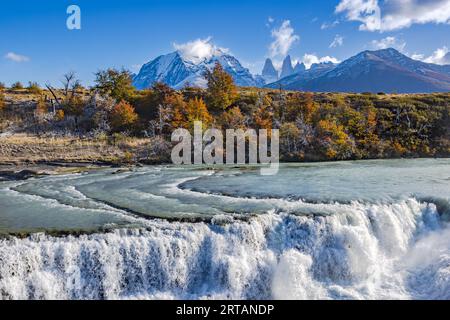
(367, 251)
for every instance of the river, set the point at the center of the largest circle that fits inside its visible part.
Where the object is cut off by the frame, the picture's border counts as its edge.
(340, 230)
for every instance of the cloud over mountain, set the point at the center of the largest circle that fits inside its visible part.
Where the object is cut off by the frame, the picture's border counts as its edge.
(388, 42)
(310, 59)
(440, 56)
(388, 15)
(283, 39)
(199, 50)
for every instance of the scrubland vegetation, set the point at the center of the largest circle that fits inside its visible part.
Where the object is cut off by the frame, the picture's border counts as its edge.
(114, 122)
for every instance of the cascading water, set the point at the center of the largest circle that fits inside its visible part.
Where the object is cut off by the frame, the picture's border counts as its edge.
(397, 249)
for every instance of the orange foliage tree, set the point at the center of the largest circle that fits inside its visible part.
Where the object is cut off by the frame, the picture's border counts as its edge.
(185, 114)
(122, 116)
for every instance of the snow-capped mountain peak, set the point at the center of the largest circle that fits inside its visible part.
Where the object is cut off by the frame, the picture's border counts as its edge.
(180, 68)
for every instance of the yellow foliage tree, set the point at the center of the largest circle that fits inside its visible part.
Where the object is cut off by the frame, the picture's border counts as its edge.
(59, 116)
(334, 140)
(264, 115)
(179, 111)
(197, 111)
(222, 91)
(301, 105)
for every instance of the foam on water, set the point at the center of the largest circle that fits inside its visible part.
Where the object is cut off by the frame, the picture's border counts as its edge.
(356, 230)
(368, 251)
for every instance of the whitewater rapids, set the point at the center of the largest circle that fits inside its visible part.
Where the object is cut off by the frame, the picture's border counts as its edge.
(397, 249)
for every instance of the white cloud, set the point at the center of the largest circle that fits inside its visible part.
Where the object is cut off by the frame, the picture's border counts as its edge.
(417, 56)
(16, 57)
(310, 59)
(388, 42)
(389, 15)
(337, 42)
(365, 11)
(198, 50)
(440, 56)
(284, 37)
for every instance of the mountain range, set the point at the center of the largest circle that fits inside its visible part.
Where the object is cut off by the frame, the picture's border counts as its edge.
(385, 70)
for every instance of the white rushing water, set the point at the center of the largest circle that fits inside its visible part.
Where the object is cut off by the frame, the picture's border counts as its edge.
(387, 248)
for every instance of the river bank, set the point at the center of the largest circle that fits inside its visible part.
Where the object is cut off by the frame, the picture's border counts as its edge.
(25, 156)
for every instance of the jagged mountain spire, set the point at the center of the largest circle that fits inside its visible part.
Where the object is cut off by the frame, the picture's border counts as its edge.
(300, 67)
(269, 73)
(287, 68)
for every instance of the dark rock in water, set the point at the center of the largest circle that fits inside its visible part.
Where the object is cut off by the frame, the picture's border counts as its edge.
(123, 170)
(20, 175)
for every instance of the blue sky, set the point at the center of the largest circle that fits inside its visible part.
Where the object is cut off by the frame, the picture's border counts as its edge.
(36, 44)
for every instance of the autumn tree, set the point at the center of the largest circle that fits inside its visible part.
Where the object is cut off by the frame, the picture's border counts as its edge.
(122, 117)
(222, 91)
(233, 119)
(71, 103)
(197, 111)
(117, 84)
(169, 112)
(59, 115)
(180, 112)
(334, 141)
(301, 105)
(263, 115)
(185, 114)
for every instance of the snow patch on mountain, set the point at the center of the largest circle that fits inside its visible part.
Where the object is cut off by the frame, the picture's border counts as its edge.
(187, 66)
